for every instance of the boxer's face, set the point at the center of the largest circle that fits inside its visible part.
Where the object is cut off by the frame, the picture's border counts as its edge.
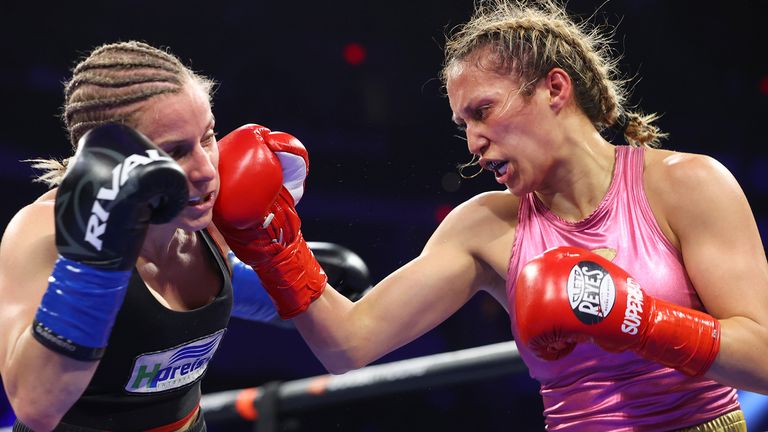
(510, 131)
(182, 125)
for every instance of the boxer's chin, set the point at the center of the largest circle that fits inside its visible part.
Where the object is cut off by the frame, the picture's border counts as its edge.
(193, 220)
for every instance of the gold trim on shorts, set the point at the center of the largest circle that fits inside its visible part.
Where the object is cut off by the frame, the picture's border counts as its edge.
(732, 422)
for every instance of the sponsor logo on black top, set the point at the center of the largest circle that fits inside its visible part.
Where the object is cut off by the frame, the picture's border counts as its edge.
(173, 368)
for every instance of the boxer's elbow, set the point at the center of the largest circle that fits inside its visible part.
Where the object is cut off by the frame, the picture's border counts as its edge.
(339, 356)
(342, 361)
(35, 411)
(349, 354)
(39, 406)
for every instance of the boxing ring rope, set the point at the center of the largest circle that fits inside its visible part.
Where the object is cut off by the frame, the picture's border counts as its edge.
(263, 404)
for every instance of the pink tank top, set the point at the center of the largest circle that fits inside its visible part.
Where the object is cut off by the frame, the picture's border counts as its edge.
(591, 389)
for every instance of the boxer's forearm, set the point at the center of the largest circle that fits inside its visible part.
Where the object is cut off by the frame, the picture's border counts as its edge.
(741, 360)
(329, 329)
(41, 384)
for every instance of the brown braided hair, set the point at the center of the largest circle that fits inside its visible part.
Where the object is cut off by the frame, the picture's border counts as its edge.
(527, 39)
(110, 85)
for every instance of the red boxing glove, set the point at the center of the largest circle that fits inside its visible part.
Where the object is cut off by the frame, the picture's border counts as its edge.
(568, 295)
(262, 177)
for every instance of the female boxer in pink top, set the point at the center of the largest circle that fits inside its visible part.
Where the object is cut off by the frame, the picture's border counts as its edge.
(651, 304)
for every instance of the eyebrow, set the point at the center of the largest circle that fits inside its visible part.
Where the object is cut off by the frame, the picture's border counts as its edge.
(165, 146)
(466, 110)
(181, 142)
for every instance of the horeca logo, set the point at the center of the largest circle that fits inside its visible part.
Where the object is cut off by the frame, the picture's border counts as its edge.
(166, 370)
(591, 292)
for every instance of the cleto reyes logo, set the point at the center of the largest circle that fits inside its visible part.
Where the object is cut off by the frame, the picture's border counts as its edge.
(591, 292)
(97, 222)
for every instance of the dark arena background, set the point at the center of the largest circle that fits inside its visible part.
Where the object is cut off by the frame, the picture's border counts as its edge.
(356, 81)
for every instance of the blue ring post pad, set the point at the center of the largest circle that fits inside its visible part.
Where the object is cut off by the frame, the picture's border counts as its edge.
(78, 309)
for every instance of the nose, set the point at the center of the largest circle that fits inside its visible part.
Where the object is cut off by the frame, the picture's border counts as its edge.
(477, 143)
(201, 167)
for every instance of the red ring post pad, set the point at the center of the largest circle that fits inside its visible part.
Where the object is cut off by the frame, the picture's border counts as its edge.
(78, 309)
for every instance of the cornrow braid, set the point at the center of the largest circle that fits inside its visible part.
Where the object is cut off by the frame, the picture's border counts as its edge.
(528, 39)
(110, 85)
(133, 71)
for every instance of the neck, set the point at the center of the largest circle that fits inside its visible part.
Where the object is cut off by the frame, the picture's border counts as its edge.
(581, 177)
(162, 241)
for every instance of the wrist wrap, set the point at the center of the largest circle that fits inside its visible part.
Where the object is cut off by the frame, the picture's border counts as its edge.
(78, 309)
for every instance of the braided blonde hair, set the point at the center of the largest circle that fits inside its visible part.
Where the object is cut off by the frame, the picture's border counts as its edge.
(110, 85)
(528, 39)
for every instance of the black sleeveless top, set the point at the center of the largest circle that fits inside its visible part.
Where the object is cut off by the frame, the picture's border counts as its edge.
(150, 373)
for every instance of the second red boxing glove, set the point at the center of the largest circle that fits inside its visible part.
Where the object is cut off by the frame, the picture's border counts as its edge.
(262, 176)
(250, 177)
(568, 295)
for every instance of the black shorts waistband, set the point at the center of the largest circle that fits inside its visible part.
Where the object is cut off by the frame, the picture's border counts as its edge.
(197, 426)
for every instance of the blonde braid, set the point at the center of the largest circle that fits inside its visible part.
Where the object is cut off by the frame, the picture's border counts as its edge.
(638, 129)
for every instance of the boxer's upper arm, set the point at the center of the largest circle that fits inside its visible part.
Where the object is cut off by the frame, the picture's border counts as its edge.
(725, 260)
(27, 255)
(719, 239)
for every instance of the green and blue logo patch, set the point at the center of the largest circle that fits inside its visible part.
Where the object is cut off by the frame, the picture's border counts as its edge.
(173, 368)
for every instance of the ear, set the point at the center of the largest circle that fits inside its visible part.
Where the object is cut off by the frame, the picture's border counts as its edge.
(560, 87)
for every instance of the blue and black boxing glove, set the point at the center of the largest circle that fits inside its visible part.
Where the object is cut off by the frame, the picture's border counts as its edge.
(117, 184)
